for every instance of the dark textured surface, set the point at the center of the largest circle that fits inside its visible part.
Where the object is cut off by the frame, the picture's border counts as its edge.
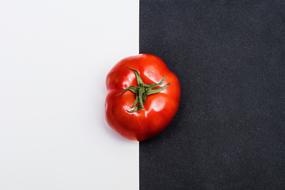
(229, 133)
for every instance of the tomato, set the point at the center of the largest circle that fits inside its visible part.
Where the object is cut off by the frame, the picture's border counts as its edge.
(142, 96)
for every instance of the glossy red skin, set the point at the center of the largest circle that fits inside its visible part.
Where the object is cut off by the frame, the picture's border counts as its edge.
(159, 108)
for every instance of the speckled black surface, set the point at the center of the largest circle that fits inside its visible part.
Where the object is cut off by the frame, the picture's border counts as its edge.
(229, 133)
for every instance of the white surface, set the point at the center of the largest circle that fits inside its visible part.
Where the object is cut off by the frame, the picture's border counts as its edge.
(54, 56)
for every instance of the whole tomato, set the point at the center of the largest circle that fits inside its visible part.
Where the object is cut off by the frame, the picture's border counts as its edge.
(143, 96)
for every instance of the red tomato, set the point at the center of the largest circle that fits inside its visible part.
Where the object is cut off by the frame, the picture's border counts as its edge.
(143, 96)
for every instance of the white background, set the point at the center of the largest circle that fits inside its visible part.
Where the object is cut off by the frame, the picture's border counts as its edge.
(54, 56)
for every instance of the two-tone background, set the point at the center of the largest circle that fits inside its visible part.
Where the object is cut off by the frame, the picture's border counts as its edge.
(228, 134)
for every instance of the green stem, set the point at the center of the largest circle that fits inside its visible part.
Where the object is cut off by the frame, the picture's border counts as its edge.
(143, 90)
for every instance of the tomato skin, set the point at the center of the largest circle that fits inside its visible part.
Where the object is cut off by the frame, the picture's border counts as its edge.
(159, 109)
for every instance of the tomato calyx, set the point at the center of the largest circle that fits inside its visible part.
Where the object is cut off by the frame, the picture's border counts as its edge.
(143, 90)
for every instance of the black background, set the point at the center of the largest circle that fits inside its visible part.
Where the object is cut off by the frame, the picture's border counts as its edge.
(229, 132)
